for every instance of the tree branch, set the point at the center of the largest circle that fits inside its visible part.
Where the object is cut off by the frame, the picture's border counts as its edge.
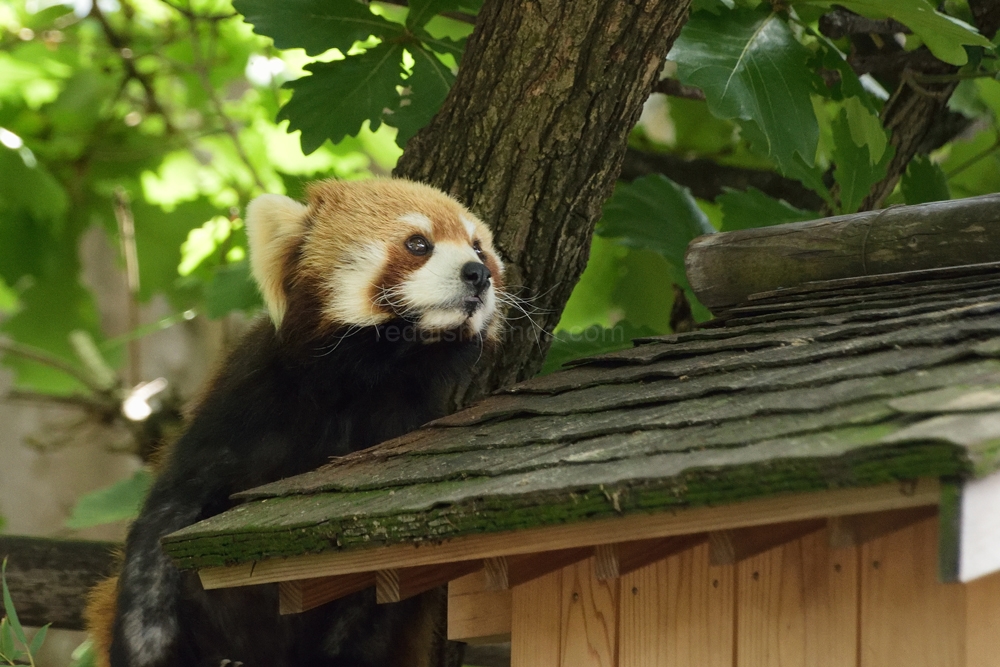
(708, 179)
(43, 357)
(675, 88)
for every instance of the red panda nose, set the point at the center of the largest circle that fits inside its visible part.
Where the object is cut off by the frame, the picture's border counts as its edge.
(477, 275)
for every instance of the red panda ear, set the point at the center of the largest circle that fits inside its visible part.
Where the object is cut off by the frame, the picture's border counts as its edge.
(274, 225)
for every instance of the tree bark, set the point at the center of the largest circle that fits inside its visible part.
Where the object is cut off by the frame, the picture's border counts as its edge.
(532, 136)
(49, 579)
(917, 107)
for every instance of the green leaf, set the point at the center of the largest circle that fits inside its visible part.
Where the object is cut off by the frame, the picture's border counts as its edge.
(577, 344)
(855, 172)
(924, 181)
(121, 500)
(442, 45)
(316, 25)
(751, 67)
(84, 655)
(944, 35)
(714, 6)
(7, 648)
(8, 607)
(38, 639)
(341, 95)
(866, 128)
(422, 11)
(424, 92)
(8, 300)
(655, 213)
(31, 188)
(753, 208)
(231, 288)
(159, 236)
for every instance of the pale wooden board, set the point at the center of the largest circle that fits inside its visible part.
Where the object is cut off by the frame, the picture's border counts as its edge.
(982, 648)
(908, 618)
(775, 509)
(677, 612)
(536, 622)
(589, 618)
(476, 614)
(797, 605)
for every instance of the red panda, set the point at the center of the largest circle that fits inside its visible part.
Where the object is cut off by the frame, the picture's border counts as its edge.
(381, 294)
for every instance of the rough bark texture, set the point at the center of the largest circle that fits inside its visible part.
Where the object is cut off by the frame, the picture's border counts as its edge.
(918, 107)
(532, 136)
(49, 579)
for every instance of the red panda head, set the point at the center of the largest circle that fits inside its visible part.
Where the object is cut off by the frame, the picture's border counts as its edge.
(364, 253)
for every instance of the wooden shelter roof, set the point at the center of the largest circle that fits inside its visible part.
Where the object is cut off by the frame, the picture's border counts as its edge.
(830, 385)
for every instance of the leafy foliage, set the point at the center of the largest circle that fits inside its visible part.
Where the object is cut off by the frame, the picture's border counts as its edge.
(185, 110)
(114, 503)
(15, 648)
(751, 67)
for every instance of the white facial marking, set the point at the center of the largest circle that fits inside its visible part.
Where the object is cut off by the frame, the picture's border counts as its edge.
(469, 227)
(436, 291)
(350, 300)
(418, 220)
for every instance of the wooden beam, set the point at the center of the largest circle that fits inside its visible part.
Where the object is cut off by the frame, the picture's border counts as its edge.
(798, 605)
(49, 579)
(477, 615)
(856, 529)
(724, 269)
(727, 547)
(616, 560)
(763, 511)
(295, 597)
(908, 616)
(982, 609)
(397, 584)
(503, 572)
(566, 618)
(677, 612)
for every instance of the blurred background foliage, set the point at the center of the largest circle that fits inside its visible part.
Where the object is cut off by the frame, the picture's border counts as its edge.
(156, 121)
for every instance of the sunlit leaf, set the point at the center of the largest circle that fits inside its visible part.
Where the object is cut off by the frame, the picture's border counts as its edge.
(422, 11)
(751, 67)
(203, 241)
(425, 90)
(315, 25)
(866, 128)
(119, 501)
(339, 96)
(944, 35)
(855, 172)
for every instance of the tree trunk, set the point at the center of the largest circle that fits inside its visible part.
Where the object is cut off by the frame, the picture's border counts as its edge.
(532, 136)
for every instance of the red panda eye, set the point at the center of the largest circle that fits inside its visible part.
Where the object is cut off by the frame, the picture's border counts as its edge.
(418, 245)
(479, 250)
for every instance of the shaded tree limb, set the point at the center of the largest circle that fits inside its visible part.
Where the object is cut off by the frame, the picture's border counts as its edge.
(708, 179)
(532, 137)
(919, 105)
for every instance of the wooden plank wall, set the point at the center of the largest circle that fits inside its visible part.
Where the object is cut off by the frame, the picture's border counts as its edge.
(801, 604)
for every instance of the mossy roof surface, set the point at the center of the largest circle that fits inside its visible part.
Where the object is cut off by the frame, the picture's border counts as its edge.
(840, 384)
